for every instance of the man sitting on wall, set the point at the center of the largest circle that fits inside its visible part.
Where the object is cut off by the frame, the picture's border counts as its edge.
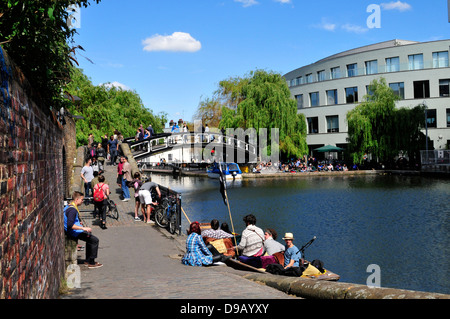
(75, 230)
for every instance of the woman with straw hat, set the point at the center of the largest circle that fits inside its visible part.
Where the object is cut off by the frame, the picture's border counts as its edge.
(292, 254)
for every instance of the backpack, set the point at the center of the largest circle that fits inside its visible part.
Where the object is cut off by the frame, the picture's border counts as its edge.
(99, 195)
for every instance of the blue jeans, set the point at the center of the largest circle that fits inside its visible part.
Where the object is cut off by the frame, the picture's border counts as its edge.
(126, 191)
(87, 189)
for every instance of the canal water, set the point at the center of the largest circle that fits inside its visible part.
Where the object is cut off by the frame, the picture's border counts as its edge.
(400, 223)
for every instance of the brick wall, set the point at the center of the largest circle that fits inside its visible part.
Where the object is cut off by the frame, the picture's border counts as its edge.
(31, 193)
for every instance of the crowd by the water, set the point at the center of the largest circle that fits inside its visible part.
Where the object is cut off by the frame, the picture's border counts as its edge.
(302, 165)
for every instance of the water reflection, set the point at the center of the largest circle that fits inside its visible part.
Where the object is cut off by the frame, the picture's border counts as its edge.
(397, 222)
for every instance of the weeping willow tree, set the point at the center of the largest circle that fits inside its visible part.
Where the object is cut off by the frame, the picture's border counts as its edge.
(262, 100)
(378, 128)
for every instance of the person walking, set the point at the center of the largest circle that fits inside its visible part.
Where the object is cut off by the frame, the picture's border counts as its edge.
(101, 193)
(126, 177)
(137, 183)
(112, 149)
(87, 174)
(101, 156)
(74, 229)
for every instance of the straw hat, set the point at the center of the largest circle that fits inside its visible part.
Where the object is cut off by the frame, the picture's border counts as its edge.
(288, 236)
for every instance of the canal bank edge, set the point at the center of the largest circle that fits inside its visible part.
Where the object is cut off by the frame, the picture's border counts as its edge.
(314, 289)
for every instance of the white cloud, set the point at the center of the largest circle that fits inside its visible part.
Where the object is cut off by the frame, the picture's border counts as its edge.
(283, 1)
(247, 3)
(326, 26)
(176, 42)
(117, 85)
(354, 28)
(400, 6)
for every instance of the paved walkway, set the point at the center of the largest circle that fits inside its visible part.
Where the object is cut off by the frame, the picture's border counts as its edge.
(142, 261)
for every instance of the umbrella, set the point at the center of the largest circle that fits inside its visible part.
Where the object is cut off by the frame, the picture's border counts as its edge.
(329, 148)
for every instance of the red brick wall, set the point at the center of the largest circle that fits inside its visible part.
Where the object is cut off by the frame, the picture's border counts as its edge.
(31, 193)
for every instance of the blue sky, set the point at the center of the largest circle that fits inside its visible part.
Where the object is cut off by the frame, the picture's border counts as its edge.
(173, 53)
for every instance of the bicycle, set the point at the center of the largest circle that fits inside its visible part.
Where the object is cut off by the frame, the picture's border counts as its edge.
(111, 209)
(165, 214)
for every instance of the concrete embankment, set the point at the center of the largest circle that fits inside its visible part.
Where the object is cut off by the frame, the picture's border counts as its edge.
(314, 289)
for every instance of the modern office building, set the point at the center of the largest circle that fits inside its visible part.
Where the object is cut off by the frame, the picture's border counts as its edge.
(418, 72)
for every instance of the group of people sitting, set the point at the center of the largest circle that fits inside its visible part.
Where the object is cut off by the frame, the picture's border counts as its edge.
(256, 247)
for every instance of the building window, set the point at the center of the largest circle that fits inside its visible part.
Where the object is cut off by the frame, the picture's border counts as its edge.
(444, 88)
(393, 64)
(309, 78)
(299, 99)
(415, 61)
(371, 67)
(321, 76)
(352, 70)
(333, 124)
(440, 59)
(448, 117)
(351, 95)
(431, 118)
(299, 80)
(399, 89)
(332, 97)
(313, 125)
(421, 89)
(314, 98)
(335, 73)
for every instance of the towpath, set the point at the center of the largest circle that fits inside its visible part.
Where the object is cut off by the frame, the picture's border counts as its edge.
(143, 261)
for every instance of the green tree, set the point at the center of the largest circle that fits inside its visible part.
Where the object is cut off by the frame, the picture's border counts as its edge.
(263, 101)
(377, 127)
(38, 39)
(107, 108)
(209, 112)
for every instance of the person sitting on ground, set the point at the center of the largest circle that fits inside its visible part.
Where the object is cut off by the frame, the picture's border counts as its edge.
(74, 229)
(196, 252)
(271, 246)
(292, 254)
(252, 238)
(215, 232)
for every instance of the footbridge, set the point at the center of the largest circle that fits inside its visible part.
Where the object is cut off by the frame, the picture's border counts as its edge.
(191, 148)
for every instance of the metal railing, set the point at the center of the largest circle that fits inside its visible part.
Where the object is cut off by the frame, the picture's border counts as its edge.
(436, 157)
(160, 142)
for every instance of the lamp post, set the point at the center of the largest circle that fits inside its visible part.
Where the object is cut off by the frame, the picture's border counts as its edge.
(426, 127)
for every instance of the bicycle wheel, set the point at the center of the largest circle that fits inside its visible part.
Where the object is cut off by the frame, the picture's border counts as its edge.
(161, 218)
(112, 210)
(173, 224)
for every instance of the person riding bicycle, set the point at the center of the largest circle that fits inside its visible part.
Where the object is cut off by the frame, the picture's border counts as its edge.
(146, 199)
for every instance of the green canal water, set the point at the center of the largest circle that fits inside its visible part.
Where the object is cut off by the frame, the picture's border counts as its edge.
(400, 223)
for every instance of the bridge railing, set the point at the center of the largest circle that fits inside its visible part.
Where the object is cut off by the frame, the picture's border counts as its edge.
(166, 140)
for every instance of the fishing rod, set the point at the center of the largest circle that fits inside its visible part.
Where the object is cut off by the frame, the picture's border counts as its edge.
(302, 250)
